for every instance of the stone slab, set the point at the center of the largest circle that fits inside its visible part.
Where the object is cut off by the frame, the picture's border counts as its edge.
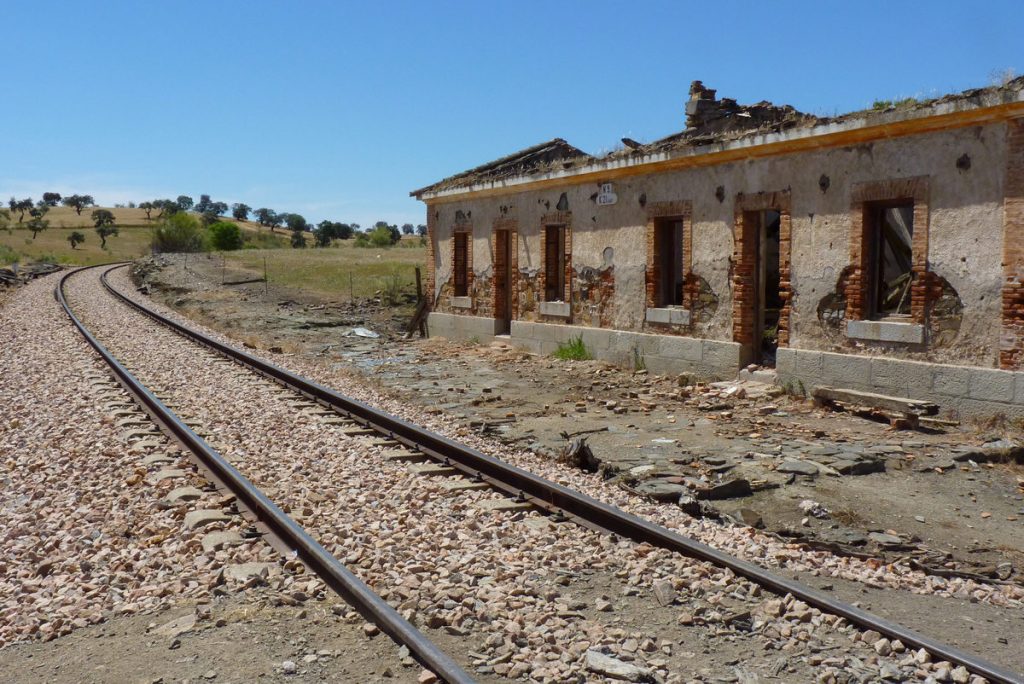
(668, 316)
(886, 331)
(557, 309)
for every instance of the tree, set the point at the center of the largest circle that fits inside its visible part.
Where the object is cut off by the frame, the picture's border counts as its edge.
(421, 230)
(298, 239)
(79, 202)
(240, 211)
(225, 236)
(296, 222)
(266, 217)
(392, 230)
(105, 227)
(51, 198)
(184, 202)
(37, 224)
(148, 208)
(20, 206)
(218, 208)
(342, 231)
(179, 232)
(407, 229)
(325, 233)
(203, 205)
(76, 239)
(167, 207)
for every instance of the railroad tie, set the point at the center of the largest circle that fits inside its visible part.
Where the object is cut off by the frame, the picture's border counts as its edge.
(431, 469)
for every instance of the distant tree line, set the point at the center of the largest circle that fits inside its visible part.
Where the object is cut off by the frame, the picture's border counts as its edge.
(208, 215)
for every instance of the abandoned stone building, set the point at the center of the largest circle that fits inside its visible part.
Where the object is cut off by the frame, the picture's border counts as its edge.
(878, 251)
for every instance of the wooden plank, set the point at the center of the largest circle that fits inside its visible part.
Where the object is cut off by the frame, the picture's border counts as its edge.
(913, 407)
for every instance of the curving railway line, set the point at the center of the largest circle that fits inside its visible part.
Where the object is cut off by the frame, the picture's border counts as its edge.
(400, 442)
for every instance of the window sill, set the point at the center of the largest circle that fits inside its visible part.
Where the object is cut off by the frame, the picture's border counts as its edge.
(668, 315)
(886, 331)
(555, 309)
(462, 302)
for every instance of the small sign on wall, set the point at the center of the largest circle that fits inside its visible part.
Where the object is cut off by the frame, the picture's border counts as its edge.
(607, 195)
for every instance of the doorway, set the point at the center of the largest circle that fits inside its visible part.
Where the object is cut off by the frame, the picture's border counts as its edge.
(503, 281)
(767, 300)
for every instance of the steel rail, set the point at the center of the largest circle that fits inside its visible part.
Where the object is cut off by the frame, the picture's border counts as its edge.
(595, 512)
(315, 556)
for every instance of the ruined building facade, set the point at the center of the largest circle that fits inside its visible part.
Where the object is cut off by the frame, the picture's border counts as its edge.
(879, 251)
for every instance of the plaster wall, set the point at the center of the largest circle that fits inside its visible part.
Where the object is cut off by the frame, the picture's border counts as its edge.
(964, 234)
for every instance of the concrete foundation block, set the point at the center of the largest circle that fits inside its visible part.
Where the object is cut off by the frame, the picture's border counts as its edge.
(901, 378)
(992, 385)
(809, 364)
(951, 381)
(596, 339)
(684, 348)
(844, 370)
(724, 357)
(785, 361)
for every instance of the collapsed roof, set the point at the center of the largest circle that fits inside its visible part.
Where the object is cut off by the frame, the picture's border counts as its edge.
(709, 121)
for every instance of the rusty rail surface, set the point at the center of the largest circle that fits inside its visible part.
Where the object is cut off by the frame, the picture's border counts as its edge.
(286, 530)
(573, 504)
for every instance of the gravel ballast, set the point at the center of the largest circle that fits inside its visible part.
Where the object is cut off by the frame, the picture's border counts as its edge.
(535, 598)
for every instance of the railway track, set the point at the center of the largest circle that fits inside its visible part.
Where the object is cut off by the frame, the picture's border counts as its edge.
(405, 441)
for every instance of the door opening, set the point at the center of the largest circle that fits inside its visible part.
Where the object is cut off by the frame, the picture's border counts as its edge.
(767, 299)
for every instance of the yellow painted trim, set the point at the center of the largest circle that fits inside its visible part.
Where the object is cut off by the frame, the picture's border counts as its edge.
(931, 124)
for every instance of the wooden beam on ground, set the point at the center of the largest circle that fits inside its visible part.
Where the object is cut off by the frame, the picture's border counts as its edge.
(911, 407)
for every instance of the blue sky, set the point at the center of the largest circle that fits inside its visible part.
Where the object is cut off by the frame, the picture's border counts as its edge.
(337, 110)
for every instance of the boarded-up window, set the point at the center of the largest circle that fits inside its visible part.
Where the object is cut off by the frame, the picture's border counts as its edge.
(461, 265)
(892, 227)
(554, 263)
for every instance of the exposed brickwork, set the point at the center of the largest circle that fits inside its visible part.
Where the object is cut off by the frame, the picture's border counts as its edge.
(744, 264)
(557, 218)
(1011, 343)
(592, 295)
(499, 258)
(922, 288)
(431, 276)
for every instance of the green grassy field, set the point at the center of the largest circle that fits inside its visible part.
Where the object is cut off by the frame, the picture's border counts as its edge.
(340, 271)
(337, 272)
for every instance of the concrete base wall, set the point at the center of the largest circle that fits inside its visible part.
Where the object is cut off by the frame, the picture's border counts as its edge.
(465, 328)
(665, 354)
(960, 391)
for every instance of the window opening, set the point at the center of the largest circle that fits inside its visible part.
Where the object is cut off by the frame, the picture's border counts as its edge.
(554, 263)
(892, 252)
(461, 264)
(668, 251)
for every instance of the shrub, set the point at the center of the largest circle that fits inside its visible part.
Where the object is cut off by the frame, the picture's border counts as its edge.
(178, 232)
(573, 350)
(7, 255)
(225, 236)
